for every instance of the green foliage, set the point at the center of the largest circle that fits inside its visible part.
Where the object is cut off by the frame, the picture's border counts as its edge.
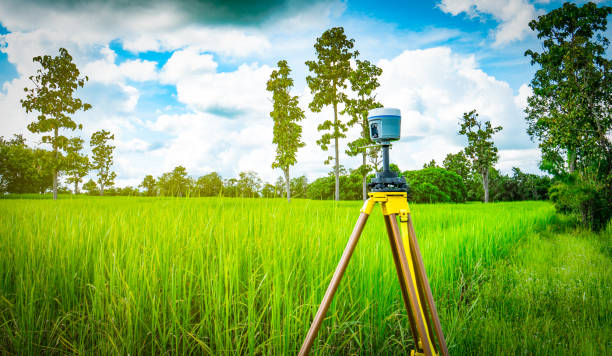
(175, 183)
(103, 158)
(569, 112)
(24, 169)
(299, 186)
(149, 185)
(435, 185)
(328, 85)
(364, 80)
(480, 149)
(269, 191)
(76, 164)
(519, 186)
(52, 97)
(287, 132)
(431, 164)
(209, 185)
(249, 184)
(584, 199)
(91, 187)
(128, 191)
(458, 163)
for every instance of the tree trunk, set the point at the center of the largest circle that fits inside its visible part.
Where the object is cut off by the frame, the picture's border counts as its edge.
(101, 189)
(76, 187)
(365, 177)
(337, 166)
(287, 184)
(485, 185)
(55, 164)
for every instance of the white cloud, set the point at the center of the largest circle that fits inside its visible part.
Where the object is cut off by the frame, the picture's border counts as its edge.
(185, 64)
(233, 93)
(513, 15)
(104, 70)
(433, 88)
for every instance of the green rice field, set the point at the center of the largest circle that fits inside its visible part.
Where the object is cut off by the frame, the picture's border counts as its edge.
(223, 276)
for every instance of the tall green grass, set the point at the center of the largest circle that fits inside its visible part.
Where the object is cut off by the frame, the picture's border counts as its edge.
(231, 276)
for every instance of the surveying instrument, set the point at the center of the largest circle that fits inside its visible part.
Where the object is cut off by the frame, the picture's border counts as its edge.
(391, 191)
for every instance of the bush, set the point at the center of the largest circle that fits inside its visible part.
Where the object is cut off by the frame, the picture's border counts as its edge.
(590, 202)
(435, 184)
(427, 193)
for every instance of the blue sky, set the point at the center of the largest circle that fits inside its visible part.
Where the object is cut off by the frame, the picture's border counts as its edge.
(183, 83)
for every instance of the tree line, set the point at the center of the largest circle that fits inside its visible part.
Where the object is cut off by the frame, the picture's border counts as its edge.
(568, 115)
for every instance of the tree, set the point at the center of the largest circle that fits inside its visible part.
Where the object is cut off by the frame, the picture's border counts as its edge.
(230, 188)
(149, 185)
(91, 187)
(24, 169)
(431, 164)
(299, 186)
(248, 184)
(175, 183)
(569, 111)
(331, 72)
(103, 158)
(458, 163)
(286, 114)
(52, 96)
(435, 184)
(481, 149)
(77, 165)
(210, 185)
(268, 191)
(364, 80)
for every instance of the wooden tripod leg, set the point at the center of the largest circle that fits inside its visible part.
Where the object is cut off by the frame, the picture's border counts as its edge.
(422, 276)
(333, 284)
(402, 281)
(415, 305)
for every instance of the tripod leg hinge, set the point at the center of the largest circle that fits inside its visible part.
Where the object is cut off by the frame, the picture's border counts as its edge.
(368, 206)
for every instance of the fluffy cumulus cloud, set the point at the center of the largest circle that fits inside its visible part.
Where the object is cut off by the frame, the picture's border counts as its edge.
(513, 15)
(433, 88)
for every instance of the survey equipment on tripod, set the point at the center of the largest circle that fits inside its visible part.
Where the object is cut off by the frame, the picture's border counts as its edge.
(391, 190)
(385, 125)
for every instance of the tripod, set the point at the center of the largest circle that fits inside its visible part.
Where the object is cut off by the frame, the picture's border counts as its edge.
(418, 300)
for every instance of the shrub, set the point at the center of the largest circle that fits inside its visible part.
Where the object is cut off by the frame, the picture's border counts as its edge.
(590, 202)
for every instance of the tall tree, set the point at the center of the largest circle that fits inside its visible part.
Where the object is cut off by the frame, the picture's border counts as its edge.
(569, 111)
(331, 70)
(103, 158)
(364, 80)
(53, 97)
(76, 164)
(149, 185)
(286, 114)
(458, 163)
(480, 149)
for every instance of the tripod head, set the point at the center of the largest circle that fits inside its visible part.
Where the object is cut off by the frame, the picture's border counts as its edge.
(385, 124)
